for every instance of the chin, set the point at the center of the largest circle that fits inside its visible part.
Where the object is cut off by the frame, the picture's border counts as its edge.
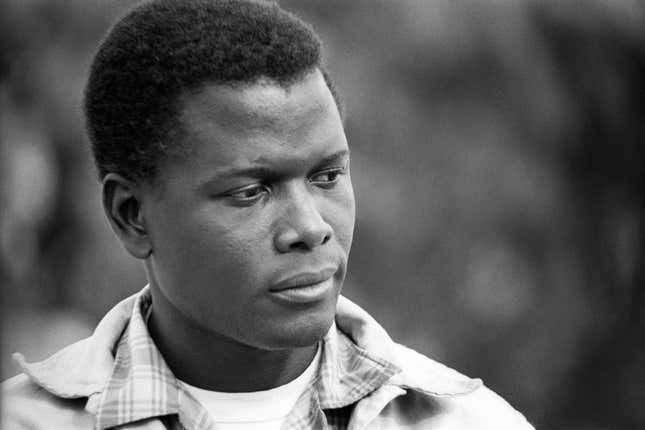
(298, 334)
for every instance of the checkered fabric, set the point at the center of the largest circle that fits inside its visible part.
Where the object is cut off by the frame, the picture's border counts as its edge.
(142, 386)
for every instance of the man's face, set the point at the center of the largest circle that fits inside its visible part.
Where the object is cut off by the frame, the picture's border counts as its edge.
(251, 232)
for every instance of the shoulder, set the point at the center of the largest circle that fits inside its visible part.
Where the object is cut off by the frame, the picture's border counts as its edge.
(444, 398)
(26, 405)
(485, 409)
(480, 410)
(423, 393)
(54, 393)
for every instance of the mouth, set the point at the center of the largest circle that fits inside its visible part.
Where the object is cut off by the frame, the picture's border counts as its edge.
(305, 287)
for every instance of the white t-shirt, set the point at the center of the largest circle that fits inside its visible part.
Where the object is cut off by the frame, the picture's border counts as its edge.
(266, 410)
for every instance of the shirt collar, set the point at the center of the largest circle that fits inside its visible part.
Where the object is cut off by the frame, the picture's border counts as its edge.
(142, 385)
(82, 368)
(418, 372)
(357, 357)
(347, 372)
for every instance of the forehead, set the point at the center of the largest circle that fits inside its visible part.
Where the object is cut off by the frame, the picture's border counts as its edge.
(263, 107)
(227, 120)
(262, 124)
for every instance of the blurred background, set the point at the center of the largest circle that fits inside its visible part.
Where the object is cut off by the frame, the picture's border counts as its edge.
(498, 164)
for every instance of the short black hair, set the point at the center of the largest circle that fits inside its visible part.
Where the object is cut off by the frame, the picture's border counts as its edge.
(163, 48)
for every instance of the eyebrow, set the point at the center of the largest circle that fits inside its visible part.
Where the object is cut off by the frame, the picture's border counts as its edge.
(264, 171)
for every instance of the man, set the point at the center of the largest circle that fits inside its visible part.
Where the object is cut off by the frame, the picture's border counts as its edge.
(225, 168)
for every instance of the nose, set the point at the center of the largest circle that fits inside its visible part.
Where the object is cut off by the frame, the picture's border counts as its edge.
(303, 227)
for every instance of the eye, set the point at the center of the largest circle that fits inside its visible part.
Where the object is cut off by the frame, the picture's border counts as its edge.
(248, 195)
(327, 178)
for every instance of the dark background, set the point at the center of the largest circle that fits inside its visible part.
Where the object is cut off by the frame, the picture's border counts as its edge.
(497, 161)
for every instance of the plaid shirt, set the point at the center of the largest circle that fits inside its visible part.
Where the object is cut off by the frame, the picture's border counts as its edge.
(117, 378)
(142, 386)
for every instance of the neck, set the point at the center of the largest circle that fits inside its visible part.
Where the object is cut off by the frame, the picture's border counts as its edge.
(214, 362)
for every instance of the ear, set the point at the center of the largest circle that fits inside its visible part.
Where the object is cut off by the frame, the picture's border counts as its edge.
(122, 205)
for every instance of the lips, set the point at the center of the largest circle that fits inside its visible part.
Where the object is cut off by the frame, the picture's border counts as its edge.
(305, 287)
(304, 279)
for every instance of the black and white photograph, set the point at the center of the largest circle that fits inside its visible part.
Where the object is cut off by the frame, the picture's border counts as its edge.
(322, 215)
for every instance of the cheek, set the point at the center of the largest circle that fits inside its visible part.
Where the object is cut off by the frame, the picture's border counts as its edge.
(198, 246)
(232, 249)
(343, 215)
